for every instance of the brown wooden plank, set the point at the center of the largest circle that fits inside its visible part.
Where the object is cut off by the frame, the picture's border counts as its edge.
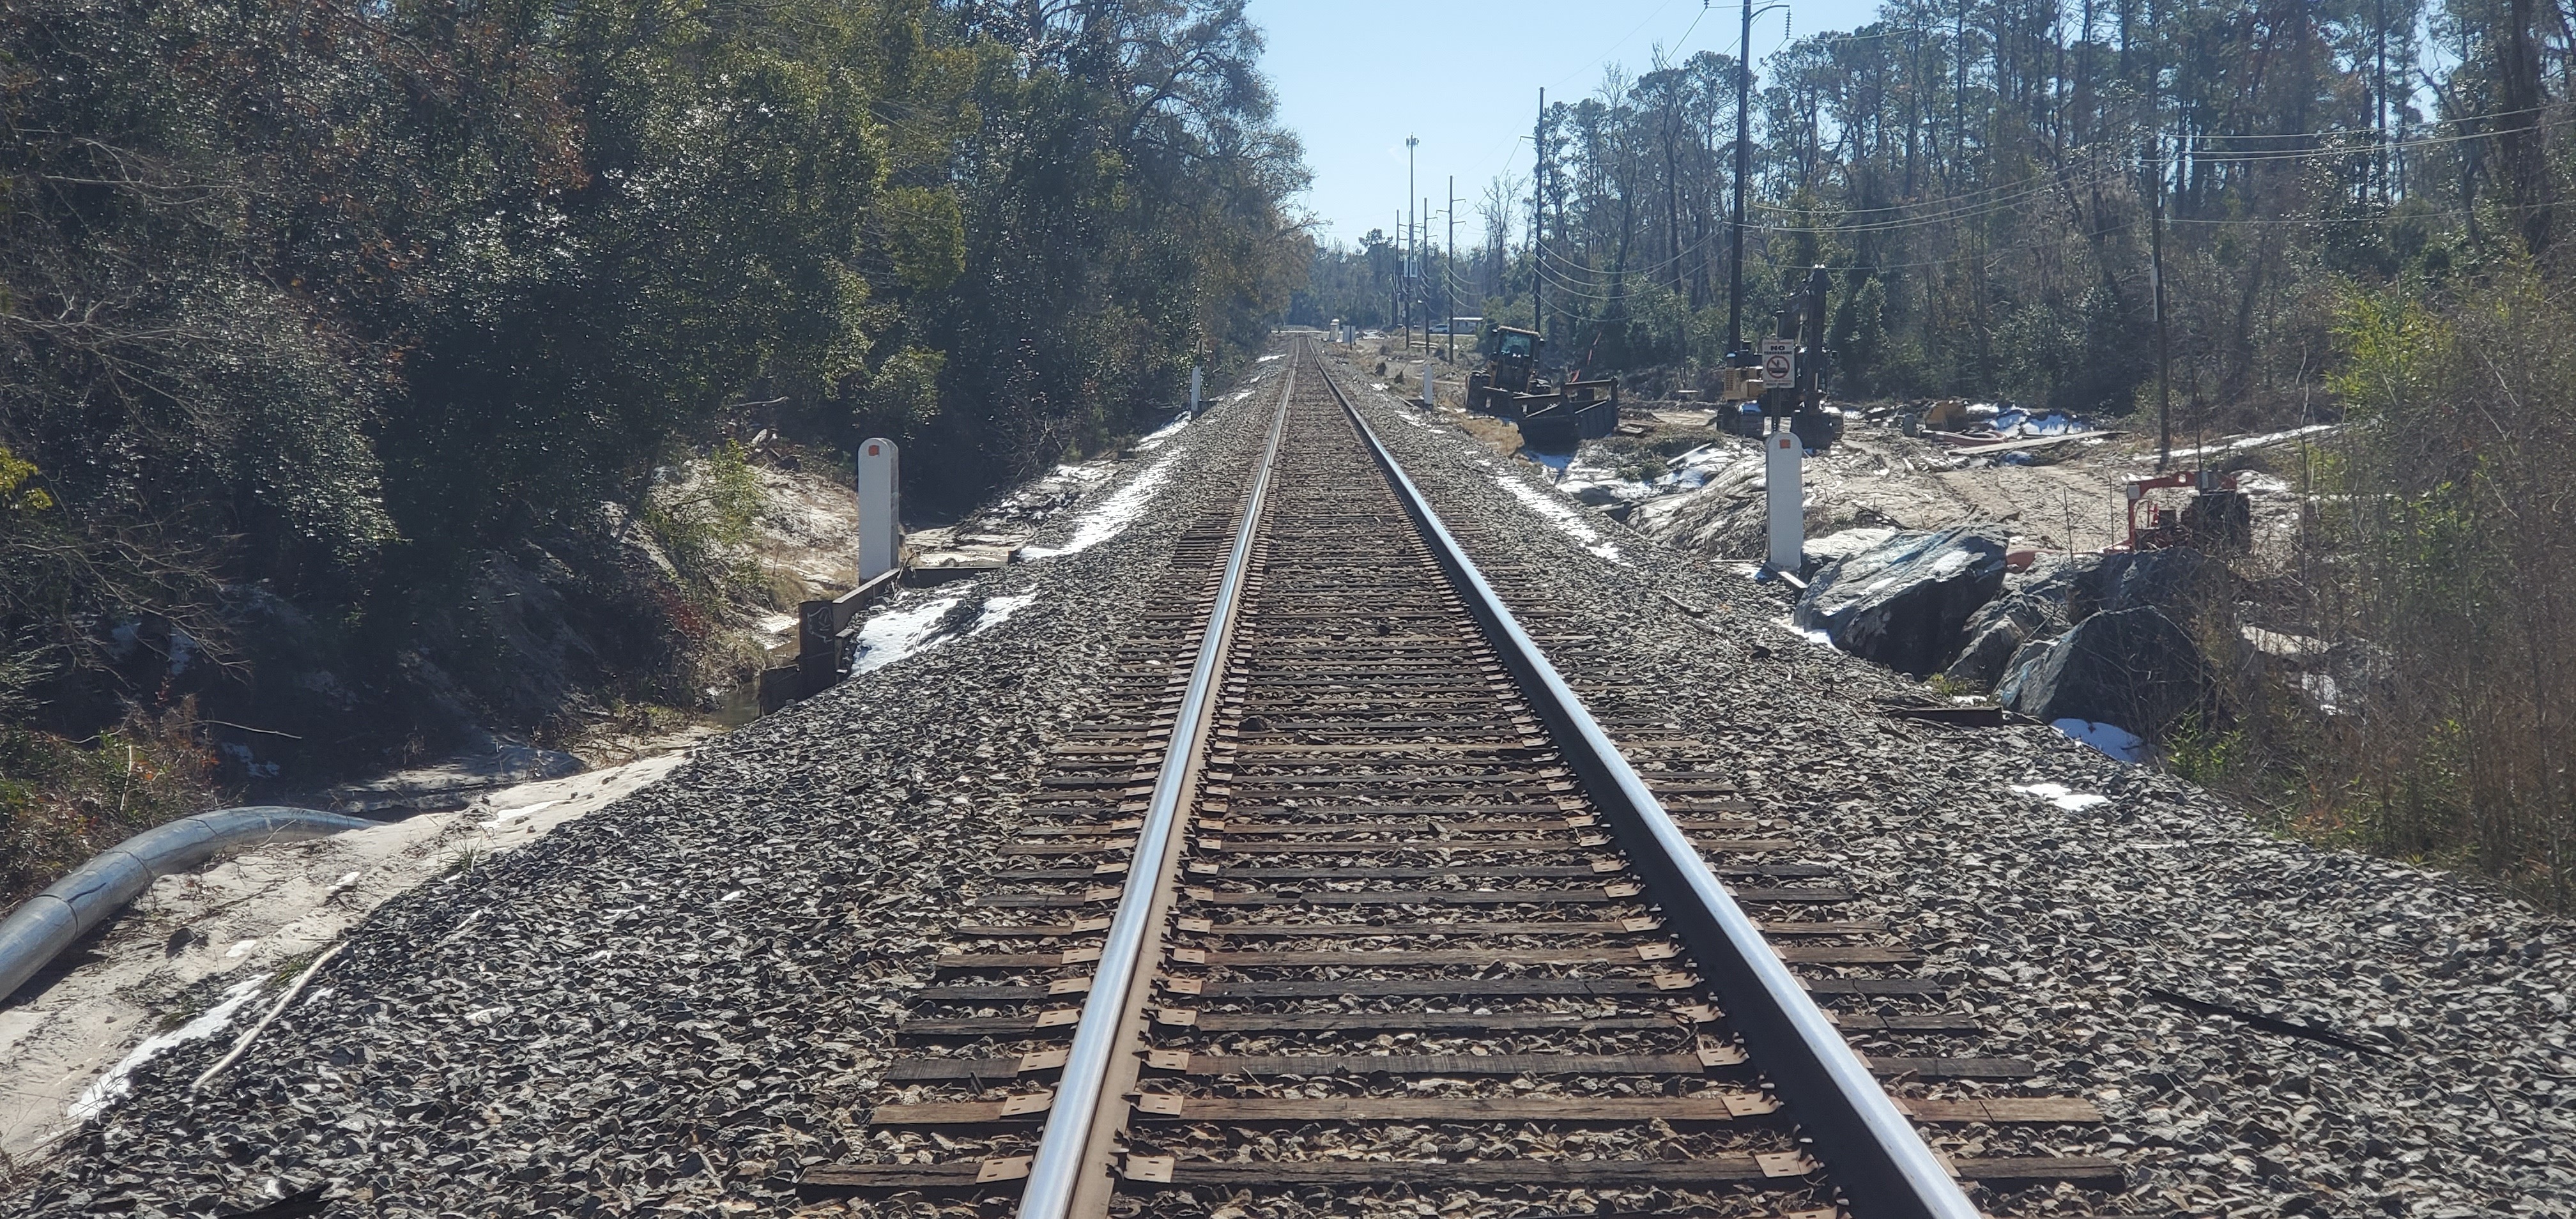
(1845, 954)
(933, 1070)
(1311, 812)
(874, 1177)
(1070, 848)
(1706, 1107)
(2005, 1110)
(1396, 1022)
(1951, 1068)
(1444, 1064)
(1873, 986)
(1789, 871)
(1508, 1064)
(1036, 901)
(2079, 1169)
(1538, 927)
(949, 1113)
(1512, 749)
(1240, 930)
(1488, 897)
(1425, 988)
(1297, 785)
(1566, 844)
(1431, 958)
(1872, 1022)
(1003, 960)
(1311, 1022)
(1269, 1175)
(1022, 931)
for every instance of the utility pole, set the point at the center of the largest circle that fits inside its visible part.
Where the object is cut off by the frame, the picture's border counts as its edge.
(1447, 304)
(1538, 232)
(1412, 239)
(1395, 290)
(1743, 159)
(2156, 253)
(2379, 99)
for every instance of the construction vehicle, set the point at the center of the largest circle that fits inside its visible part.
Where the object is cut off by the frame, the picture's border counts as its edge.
(2218, 516)
(1943, 415)
(1511, 359)
(1785, 380)
(1554, 415)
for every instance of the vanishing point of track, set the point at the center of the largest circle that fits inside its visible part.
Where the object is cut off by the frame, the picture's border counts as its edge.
(1343, 903)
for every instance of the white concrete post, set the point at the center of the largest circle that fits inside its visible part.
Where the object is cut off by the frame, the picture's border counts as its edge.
(880, 509)
(1787, 501)
(1194, 391)
(1429, 398)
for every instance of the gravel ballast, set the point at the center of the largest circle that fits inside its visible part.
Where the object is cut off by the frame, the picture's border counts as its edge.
(2100, 917)
(678, 1002)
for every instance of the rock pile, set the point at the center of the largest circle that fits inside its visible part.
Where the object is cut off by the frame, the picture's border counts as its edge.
(2108, 638)
(1902, 603)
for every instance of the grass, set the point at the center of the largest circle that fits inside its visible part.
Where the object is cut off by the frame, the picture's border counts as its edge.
(62, 801)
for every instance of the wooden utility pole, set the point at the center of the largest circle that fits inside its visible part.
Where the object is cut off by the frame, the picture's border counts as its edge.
(1538, 230)
(1743, 161)
(1448, 304)
(2156, 268)
(1413, 241)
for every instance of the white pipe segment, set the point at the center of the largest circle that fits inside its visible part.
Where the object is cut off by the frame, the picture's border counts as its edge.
(57, 918)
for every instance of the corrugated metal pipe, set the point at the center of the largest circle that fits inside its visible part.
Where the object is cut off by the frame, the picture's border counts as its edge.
(55, 919)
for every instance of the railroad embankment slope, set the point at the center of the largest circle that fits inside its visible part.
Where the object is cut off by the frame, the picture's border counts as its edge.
(677, 1001)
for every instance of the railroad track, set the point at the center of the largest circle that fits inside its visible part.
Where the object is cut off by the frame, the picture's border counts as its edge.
(1342, 902)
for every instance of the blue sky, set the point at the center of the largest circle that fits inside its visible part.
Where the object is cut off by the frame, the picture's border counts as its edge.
(1354, 79)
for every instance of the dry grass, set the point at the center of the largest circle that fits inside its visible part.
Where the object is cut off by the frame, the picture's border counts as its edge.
(2440, 564)
(62, 802)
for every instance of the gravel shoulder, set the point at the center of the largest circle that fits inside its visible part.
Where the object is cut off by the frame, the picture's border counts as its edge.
(676, 1002)
(67, 1051)
(2077, 918)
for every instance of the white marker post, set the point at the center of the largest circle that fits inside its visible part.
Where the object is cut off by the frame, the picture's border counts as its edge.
(880, 509)
(1194, 391)
(1787, 502)
(1429, 395)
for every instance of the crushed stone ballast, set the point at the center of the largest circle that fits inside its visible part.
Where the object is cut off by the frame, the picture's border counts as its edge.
(1339, 769)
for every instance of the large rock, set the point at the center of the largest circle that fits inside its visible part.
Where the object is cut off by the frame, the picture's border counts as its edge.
(1999, 629)
(2190, 587)
(2132, 667)
(1902, 603)
(2074, 583)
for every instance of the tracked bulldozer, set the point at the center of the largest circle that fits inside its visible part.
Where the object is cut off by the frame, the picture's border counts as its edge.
(1552, 415)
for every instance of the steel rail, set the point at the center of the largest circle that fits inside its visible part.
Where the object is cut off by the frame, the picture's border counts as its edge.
(1871, 1151)
(1065, 1151)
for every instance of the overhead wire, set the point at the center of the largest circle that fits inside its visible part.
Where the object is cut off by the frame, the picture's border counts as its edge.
(2114, 172)
(1974, 195)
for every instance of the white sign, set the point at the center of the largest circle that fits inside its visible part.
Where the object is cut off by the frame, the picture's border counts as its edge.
(880, 508)
(1778, 363)
(1787, 503)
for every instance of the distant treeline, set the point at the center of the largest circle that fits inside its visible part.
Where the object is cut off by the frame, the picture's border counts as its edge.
(1982, 175)
(311, 312)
